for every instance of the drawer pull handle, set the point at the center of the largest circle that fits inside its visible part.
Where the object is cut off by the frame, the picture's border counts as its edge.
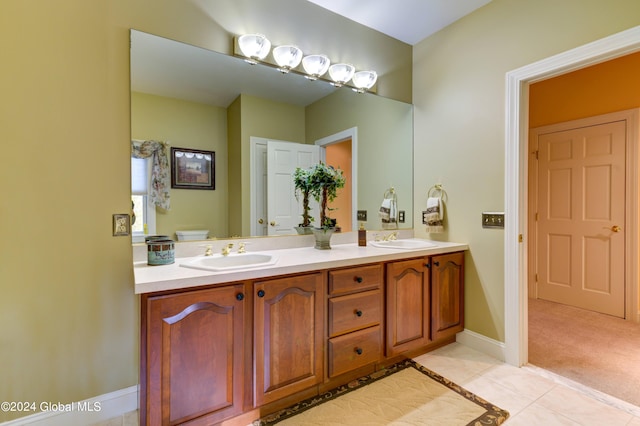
(260, 293)
(436, 263)
(240, 296)
(358, 279)
(358, 312)
(359, 351)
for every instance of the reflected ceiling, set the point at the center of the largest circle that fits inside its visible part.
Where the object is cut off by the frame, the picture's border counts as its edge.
(177, 70)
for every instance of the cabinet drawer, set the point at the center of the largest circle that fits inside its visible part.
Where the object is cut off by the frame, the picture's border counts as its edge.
(355, 279)
(354, 350)
(354, 311)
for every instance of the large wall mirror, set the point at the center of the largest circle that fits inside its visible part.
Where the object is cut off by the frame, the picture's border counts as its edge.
(199, 99)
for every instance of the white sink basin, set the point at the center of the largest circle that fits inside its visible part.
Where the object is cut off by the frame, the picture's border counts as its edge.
(409, 244)
(232, 261)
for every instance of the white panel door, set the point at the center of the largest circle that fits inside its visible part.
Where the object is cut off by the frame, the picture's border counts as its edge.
(284, 211)
(581, 244)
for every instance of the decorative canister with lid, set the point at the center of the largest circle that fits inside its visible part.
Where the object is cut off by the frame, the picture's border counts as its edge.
(160, 250)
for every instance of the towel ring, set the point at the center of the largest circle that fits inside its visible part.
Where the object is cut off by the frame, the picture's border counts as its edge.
(437, 190)
(390, 194)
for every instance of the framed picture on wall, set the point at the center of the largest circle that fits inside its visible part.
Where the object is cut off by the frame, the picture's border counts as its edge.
(193, 169)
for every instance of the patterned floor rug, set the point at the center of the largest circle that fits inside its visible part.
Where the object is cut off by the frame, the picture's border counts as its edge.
(404, 394)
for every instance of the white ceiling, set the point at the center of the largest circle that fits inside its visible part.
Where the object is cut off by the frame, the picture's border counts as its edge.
(410, 21)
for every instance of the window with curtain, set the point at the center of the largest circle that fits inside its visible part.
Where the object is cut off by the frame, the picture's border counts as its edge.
(143, 208)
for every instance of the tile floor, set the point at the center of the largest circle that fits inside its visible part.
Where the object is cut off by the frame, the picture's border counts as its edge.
(531, 395)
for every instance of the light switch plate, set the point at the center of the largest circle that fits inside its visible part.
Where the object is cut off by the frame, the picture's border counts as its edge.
(493, 220)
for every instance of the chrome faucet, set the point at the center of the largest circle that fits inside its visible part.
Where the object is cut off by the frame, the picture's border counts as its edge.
(227, 249)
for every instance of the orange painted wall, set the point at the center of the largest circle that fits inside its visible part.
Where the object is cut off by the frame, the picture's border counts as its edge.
(339, 155)
(599, 89)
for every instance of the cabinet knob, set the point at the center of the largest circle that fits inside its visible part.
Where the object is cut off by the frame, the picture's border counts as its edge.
(428, 265)
(240, 296)
(436, 263)
(358, 312)
(358, 279)
(260, 293)
(358, 351)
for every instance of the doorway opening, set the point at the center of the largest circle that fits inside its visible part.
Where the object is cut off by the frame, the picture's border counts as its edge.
(341, 150)
(516, 177)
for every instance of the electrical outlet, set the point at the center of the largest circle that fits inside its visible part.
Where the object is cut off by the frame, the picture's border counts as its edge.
(121, 225)
(401, 216)
(362, 215)
(493, 220)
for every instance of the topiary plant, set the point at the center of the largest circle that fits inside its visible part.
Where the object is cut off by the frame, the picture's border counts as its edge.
(324, 182)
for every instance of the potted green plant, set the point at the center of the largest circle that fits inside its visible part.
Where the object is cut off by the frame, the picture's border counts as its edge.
(324, 181)
(302, 185)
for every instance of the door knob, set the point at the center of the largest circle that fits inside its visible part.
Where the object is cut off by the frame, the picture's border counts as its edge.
(616, 228)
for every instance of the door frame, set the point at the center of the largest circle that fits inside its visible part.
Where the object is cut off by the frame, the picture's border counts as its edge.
(516, 179)
(631, 118)
(351, 133)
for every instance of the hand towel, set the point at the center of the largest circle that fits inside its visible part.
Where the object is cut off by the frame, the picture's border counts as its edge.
(434, 215)
(385, 210)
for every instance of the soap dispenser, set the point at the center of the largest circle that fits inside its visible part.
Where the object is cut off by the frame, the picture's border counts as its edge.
(362, 235)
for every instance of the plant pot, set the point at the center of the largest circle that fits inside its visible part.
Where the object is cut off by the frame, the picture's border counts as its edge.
(323, 237)
(304, 230)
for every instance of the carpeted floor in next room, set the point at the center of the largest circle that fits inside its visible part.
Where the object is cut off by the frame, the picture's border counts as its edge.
(593, 349)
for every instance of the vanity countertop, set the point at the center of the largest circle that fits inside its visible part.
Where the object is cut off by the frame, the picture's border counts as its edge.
(149, 279)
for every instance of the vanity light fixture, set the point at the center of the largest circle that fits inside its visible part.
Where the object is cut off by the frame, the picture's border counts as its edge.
(255, 47)
(341, 73)
(315, 66)
(364, 80)
(287, 57)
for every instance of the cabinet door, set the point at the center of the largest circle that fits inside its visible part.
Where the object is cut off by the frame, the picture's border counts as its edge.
(289, 330)
(407, 305)
(194, 356)
(447, 298)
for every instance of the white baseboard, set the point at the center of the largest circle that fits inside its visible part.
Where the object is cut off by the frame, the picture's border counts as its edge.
(89, 411)
(482, 343)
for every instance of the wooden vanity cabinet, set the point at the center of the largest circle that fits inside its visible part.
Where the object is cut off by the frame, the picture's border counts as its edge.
(408, 305)
(355, 309)
(425, 301)
(288, 335)
(192, 356)
(205, 357)
(447, 295)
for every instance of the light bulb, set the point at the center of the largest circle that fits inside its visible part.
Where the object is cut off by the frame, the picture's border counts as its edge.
(287, 57)
(364, 80)
(315, 66)
(255, 47)
(341, 73)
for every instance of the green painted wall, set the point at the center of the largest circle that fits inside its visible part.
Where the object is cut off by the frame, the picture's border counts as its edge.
(459, 97)
(385, 145)
(69, 317)
(187, 125)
